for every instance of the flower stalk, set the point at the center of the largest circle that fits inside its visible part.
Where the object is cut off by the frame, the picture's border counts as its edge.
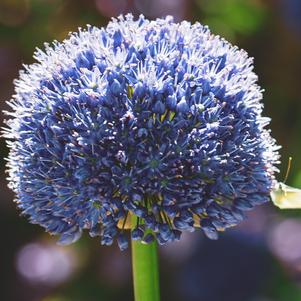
(145, 270)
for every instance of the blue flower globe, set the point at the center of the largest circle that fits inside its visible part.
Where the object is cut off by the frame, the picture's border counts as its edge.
(153, 121)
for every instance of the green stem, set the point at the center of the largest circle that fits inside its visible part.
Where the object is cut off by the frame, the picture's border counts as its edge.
(145, 270)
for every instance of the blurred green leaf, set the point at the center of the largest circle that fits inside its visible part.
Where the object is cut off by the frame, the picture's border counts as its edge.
(231, 17)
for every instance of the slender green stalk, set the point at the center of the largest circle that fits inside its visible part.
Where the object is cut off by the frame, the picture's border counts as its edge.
(145, 270)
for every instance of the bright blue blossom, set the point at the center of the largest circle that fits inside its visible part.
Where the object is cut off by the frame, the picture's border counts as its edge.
(147, 118)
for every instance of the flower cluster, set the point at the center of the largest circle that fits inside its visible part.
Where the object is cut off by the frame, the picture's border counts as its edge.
(150, 121)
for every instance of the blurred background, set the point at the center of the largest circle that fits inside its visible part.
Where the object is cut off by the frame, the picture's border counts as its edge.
(258, 261)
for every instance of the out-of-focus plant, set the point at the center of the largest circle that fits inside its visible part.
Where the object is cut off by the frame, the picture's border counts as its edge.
(233, 17)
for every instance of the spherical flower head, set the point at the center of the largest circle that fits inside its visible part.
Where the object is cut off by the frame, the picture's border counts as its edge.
(152, 121)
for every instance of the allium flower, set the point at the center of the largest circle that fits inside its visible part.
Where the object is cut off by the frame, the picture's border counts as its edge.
(151, 119)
